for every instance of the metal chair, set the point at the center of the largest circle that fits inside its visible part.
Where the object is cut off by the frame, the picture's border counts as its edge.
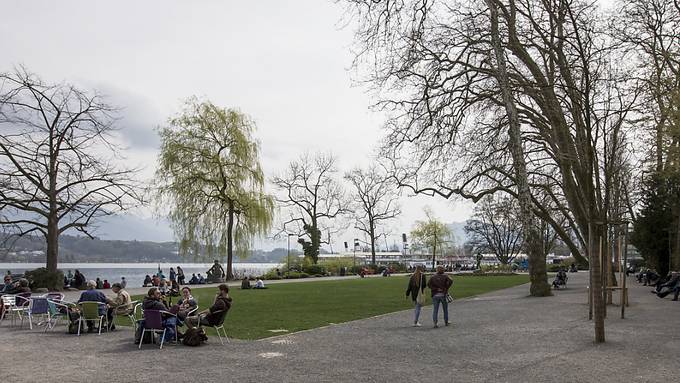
(153, 322)
(55, 297)
(132, 308)
(21, 302)
(36, 306)
(56, 310)
(8, 302)
(218, 326)
(90, 311)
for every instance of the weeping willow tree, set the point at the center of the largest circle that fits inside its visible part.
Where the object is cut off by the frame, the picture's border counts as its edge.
(210, 181)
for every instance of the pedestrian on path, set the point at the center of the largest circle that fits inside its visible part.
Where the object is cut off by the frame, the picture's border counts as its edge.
(416, 288)
(440, 284)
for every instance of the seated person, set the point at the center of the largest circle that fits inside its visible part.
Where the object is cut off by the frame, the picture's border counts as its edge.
(245, 284)
(118, 305)
(173, 290)
(193, 280)
(214, 314)
(572, 268)
(560, 278)
(147, 281)
(259, 284)
(155, 301)
(106, 284)
(9, 286)
(651, 278)
(185, 304)
(201, 280)
(92, 295)
(669, 285)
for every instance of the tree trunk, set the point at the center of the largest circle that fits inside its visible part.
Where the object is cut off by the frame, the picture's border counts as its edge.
(537, 267)
(372, 229)
(52, 254)
(434, 251)
(595, 259)
(230, 242)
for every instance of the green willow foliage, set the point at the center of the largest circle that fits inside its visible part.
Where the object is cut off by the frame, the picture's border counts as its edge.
(209, 176)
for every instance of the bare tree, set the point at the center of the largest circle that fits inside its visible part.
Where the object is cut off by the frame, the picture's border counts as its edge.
(57, 160)
(493, 228)
(450, 76)
(313, 197)
(374, 201)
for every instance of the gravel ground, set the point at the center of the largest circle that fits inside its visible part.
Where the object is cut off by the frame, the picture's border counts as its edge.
(503, 336)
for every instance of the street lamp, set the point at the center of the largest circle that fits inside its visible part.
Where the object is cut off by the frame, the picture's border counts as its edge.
(354, 258)
(288, 266)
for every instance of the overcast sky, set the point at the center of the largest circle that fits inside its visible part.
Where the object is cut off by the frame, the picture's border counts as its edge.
(285, 63)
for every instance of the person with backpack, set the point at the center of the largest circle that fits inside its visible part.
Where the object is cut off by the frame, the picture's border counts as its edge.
(439, 284)
(416, 288)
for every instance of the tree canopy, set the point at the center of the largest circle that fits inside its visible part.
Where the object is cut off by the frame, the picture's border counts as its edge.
(209, 176)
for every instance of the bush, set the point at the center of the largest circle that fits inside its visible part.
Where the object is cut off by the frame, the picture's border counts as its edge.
(314, 269)
(42, 278)
(296, 275)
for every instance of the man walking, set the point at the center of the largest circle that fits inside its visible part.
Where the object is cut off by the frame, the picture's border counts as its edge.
(440, 284)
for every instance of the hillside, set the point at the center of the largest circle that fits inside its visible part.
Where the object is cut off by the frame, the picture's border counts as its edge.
(83, 249)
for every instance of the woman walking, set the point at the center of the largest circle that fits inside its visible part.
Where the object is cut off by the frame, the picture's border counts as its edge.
(440, 284)
(416, 288)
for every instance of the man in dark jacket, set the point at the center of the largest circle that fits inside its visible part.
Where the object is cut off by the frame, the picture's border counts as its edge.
(154, 301)
(440, 284)
(214, 315)
(670, 285)
(92, 295)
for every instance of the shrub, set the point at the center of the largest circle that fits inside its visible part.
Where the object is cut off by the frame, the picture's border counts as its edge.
(314, 269)
(42, 278)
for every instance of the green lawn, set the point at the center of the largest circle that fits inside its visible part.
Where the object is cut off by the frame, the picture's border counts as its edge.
(301, 306)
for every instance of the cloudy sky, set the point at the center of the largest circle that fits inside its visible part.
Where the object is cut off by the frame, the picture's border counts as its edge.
(285, 63)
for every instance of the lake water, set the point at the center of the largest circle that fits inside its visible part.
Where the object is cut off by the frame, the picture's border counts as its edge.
(134, 273)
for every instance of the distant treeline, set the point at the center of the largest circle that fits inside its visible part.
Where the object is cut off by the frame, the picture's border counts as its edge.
(84, 249)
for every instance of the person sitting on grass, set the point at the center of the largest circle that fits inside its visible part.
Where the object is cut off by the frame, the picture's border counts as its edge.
(259, 284)
(201, 280)
(213, 315)
(193, 280)
(119, 305)
(92, 295)
(155, 301)
(245, 284)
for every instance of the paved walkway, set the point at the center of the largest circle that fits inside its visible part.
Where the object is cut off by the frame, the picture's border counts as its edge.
(503, 336)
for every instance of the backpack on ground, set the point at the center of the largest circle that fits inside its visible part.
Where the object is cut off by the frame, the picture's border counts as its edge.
(194, 337)
(74, 322)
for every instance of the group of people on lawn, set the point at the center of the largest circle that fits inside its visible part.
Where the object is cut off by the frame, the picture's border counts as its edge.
(174, 316)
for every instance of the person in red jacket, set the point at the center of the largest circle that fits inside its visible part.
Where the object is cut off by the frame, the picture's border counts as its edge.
(439, 284)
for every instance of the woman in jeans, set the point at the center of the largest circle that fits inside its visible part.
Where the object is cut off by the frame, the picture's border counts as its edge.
(440, 284)
(416, 286)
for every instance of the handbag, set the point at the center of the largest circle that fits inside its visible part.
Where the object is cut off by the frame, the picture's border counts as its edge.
(449, 298)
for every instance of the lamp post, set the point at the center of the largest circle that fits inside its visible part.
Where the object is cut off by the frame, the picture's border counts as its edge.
(288, 266)
(354, 258)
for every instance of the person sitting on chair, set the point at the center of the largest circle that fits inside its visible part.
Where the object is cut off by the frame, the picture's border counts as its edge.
(119, 305)
(92, 295)
(213, 315)
(560, 278)
(155, 301)
(185, 304)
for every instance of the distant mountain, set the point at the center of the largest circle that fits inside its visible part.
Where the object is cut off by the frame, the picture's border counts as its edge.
(83, 249)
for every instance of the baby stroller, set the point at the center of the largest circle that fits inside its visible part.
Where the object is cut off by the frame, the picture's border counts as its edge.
(560, 280)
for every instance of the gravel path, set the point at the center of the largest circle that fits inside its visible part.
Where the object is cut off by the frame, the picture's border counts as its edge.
(503, 336)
